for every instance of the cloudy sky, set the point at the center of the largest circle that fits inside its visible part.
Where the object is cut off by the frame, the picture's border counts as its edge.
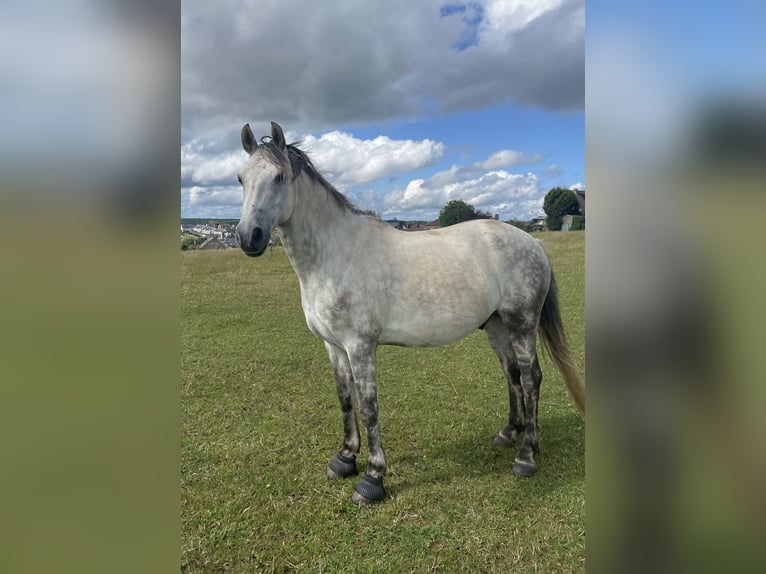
(402, 105)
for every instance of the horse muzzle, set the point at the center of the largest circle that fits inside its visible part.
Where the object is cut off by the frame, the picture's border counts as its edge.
(253, 243)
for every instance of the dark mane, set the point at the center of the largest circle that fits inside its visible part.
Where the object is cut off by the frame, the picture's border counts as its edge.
(301, 163)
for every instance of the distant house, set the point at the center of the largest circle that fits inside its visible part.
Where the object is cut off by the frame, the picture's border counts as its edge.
(413, 225)
(580, 195)
(538, 224)
(396, 224)
(569, 222)
(211, 243)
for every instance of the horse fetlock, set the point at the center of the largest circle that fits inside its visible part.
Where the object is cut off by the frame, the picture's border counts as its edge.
(531, 445)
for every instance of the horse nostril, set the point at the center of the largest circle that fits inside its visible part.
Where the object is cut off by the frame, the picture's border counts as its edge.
(257, 236)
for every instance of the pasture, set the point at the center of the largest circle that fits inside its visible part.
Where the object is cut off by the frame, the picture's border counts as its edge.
(260, 422)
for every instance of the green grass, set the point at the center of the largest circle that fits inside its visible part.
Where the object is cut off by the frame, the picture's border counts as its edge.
(261, 421)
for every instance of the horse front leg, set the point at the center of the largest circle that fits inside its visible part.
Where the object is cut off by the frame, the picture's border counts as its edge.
(363, 365)
(343, 464)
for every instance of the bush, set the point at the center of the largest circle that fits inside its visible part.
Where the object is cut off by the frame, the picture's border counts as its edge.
(553, 222)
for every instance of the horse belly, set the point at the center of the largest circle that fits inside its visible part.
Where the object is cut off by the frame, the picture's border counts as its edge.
(409, 335)
(434, 324)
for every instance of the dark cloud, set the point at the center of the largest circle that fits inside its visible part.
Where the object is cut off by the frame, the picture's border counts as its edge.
(324, 65)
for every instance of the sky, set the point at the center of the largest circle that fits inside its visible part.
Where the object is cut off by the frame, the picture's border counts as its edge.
(402, 105)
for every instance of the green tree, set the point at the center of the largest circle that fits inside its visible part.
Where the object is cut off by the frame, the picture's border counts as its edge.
(191, 242)
(559, 202)
(523, 225)
(458, 210)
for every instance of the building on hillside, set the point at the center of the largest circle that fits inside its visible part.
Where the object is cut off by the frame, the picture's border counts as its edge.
(580, 195)
(211, 243)
(538, 224)
(568, 220)
(433, 224)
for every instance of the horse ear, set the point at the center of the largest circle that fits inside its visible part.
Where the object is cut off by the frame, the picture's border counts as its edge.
(277, 135)
(248, 139)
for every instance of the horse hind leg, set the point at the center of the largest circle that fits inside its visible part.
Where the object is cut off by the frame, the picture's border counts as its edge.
(500, 341)
(523, 341)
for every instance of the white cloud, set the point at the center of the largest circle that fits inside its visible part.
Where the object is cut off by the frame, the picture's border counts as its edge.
(339, 156)
(577, 186)
(502, 17)
(198, 167)
(495, 191)
(347, 160)
(552, 170)
(499, 159)
(211, 196)
(506, 158)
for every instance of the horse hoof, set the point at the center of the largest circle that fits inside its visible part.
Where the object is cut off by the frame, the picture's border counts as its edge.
(341, 467)
(369, 490)
(524, 468)
(502, 440)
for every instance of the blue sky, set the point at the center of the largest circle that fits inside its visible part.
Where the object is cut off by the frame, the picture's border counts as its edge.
(653, 67)
(403, 107)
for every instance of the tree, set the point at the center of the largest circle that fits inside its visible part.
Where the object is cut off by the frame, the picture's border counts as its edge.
(458, 210)
(559, 202)
(190, 242)
(523, 225)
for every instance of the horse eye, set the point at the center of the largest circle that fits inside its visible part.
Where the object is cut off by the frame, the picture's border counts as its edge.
(280, 178)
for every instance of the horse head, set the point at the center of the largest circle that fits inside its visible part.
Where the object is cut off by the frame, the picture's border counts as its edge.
(267, 180)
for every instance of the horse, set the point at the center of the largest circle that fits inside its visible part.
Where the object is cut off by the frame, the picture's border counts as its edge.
(364, 284)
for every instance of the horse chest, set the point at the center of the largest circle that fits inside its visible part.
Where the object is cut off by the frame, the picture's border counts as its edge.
(336, 318)
(318, 327)
(324, 320)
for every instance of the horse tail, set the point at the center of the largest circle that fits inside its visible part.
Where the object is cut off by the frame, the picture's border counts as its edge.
(555, 342)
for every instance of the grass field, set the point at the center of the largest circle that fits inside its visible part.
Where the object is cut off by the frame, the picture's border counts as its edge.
(260, 422)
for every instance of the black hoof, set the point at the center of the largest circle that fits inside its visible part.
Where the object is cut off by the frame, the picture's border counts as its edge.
(502, 440)
(369, 490)
(341, 467)
(524, 468)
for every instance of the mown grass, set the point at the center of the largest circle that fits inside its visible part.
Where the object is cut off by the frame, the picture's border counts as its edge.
(261, 420)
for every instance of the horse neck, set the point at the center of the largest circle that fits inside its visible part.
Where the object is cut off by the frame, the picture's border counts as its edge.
(311, 234)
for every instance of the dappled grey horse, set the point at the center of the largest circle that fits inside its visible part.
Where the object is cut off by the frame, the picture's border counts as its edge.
(364, 284)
